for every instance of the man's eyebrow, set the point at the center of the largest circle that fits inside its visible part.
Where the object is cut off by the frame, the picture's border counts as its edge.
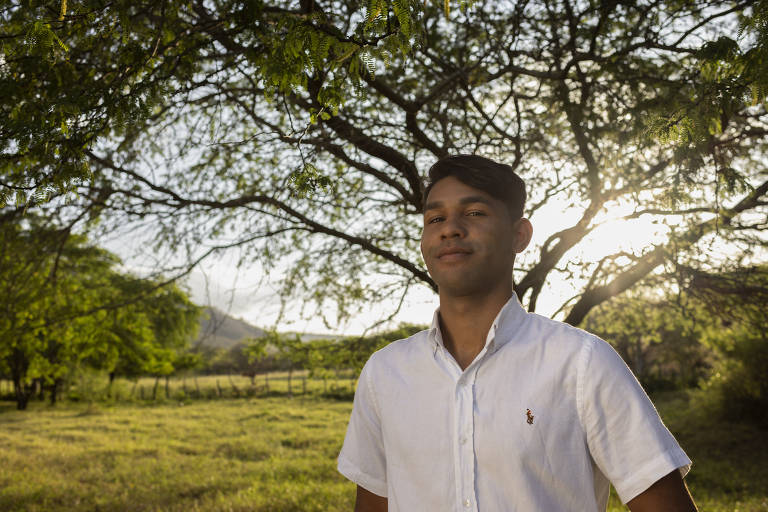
(464, 200)
(475, 199)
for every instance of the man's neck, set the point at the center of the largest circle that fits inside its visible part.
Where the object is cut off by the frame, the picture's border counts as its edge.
(465, 322)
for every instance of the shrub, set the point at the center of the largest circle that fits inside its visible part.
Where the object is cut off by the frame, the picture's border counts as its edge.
(740, 381)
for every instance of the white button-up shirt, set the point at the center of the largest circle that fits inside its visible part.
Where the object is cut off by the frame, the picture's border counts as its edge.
(542, 419)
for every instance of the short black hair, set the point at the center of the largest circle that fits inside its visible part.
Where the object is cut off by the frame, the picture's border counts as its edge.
(495, 179)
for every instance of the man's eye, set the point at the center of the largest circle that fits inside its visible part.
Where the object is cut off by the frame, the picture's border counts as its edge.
(434, 220)
(475, 213)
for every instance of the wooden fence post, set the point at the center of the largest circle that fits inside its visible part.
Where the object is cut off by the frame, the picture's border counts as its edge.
(234, 388)
(290, 385)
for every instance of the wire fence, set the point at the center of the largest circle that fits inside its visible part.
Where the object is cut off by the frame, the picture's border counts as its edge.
(98, 387)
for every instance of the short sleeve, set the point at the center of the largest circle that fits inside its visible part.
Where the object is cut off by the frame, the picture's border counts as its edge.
(362, 458)
(626, 437)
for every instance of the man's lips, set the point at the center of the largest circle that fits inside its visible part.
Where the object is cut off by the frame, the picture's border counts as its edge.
(451, 253)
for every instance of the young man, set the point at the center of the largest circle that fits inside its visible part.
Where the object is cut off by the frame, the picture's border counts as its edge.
(493, 408)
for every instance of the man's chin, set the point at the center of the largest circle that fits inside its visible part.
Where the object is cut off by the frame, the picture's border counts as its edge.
(464, 288)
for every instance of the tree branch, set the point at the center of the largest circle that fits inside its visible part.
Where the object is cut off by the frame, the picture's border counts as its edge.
(595, 296)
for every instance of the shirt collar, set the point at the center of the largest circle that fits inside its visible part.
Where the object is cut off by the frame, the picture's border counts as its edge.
(503, 328)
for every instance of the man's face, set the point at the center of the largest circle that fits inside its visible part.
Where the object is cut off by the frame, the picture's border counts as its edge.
(469, 239)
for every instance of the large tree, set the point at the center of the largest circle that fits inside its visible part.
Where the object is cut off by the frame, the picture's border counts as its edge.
(47, 277)
(296, 131)
(64, 308)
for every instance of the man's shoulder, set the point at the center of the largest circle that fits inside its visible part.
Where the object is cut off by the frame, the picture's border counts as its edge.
(405, 348)
(555, 331)
(571, 342)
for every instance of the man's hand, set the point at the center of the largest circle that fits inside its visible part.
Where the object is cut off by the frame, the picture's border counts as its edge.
(669, 494)
(368, 502)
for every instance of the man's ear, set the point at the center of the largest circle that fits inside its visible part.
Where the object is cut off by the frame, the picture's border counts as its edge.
(523, 234)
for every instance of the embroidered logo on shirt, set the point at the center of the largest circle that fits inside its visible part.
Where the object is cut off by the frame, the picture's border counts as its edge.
(529, 416)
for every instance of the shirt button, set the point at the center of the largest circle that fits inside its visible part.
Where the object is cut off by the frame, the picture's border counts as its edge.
(463, 440)
(467, 503)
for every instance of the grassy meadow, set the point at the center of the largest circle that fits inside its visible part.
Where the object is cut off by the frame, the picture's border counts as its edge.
(274, 453)
(266, 454)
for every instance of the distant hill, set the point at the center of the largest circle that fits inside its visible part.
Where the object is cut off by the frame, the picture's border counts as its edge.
(219, 330)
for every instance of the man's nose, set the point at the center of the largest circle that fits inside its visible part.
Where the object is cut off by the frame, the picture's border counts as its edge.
(453, 227)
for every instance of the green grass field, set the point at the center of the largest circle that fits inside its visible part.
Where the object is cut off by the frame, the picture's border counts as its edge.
(273, 454)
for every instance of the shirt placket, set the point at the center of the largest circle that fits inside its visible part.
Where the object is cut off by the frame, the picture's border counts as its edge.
(464, 449)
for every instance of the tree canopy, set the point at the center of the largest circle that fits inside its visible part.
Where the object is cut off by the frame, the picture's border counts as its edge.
(64, 308)
(301, 131)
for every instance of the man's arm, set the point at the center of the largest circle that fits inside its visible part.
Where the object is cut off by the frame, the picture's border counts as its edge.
(368, 502)
(669, 494)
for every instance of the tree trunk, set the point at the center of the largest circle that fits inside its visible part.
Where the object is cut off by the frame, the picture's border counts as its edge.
(639, 359)
(21, 393)
(54, 390)
(109, 385)
(19, 367)
(167, 387)
(39, 389)
(154, 388)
